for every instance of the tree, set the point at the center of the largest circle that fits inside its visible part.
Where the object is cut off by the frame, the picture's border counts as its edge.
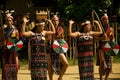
(80, 9)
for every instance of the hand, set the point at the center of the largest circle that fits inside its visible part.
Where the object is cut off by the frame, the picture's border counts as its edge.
(71, 22)
(48, 20)
(105, 65)
(95, 21)
(25, 20)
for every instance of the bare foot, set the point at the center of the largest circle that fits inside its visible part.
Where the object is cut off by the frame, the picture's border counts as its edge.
(101, 79)
(60, 78)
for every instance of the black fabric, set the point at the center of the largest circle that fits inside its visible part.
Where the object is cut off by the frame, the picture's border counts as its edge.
(8, 32)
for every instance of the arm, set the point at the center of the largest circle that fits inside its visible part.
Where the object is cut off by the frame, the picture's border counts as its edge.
(62, 35)
(112, 38)
(52, 27)
(23, 32)
(17, 34)
(72, 34)
(99, 31)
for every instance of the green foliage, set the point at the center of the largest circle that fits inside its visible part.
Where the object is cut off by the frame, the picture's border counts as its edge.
(107, 3)
(77, 9)
(80, 9)
(23, 64)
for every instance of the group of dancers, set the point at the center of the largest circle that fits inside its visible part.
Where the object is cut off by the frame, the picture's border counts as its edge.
(43, 58)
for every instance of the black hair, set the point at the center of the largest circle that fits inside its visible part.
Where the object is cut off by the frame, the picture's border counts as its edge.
(83, 26)
(37, 21)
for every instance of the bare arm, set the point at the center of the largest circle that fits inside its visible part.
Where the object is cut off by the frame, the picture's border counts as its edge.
(72, 34)
(53, 29)
(99, 31)
(112, 38)
(23, 32)
(17, 34)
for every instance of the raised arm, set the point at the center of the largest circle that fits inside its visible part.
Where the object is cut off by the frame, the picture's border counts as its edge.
(99, 29)
(23, 32)
(72, 34)
(52, 27)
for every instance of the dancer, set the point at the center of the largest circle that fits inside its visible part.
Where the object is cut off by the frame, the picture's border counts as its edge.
(104, 61)
(10, 56)
(57, 62)
(85, 48)
(37, 45)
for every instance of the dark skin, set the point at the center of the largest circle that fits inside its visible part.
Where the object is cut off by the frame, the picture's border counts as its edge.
(39, 29)
(62, 57)
(86, 29)
(103, 70)
(15, 33)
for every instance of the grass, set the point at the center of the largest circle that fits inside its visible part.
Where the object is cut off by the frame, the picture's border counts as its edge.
(23, 64)
(116, 59)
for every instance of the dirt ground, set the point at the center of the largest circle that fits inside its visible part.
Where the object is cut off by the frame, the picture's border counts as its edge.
(72, 73)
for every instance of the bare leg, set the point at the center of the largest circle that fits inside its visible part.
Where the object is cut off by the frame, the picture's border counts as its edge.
(107, 73)
(100, 73)
(101, 67)
(50, 71)
(65, 64)
(17, 62)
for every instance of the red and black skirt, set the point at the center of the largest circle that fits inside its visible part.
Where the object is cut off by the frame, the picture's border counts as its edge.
(38, 59)
(85, 58)
(9, 68)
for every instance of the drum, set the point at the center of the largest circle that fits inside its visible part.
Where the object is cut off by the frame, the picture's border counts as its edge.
(14, 44)
(111, 48)
(60, 46)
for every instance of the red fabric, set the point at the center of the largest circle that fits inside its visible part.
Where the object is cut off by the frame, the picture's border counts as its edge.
(60, 30)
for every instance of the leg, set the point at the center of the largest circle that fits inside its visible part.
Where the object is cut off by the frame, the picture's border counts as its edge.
(100, 73)
(50, 71)
(101, 67)
(17, 62)
(65, 64)
(108, 70)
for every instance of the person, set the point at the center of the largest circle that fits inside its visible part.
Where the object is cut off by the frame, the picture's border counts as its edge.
(104, 61)
(10, 57)
(37, 48)
(57, 62)
(85, 47)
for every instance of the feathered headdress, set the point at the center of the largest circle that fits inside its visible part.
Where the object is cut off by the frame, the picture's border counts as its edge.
(9, 14)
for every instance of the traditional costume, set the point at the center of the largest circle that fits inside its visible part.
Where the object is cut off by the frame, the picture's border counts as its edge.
(37, 57)
(108, 59)
(56, 64)
(10, 68)
(85, 57)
